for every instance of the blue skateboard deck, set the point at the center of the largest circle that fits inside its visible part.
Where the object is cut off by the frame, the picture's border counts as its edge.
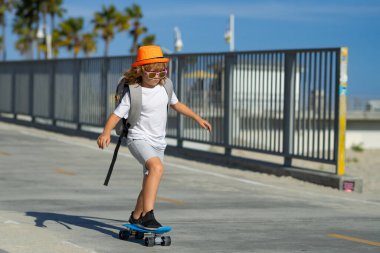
(151, 237)
(161, 230)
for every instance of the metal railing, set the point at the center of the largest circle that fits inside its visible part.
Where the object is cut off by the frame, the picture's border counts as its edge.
(282, 102)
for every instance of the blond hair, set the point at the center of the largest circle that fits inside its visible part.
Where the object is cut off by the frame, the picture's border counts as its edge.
(134, 75)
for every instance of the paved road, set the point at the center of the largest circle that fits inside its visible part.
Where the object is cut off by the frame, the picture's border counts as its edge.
(52, 199)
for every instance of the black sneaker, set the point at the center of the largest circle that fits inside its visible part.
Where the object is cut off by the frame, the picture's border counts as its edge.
(148, 221)
(133, 220)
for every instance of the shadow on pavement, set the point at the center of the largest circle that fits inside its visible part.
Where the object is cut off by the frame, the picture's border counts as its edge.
(88, 222)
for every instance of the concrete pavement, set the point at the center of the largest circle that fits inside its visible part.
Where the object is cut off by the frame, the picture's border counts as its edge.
(52, 199)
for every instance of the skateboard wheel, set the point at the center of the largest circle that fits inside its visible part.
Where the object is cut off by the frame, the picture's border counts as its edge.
(166, 241)
(124, 234)
(139, 235)
(149, 241)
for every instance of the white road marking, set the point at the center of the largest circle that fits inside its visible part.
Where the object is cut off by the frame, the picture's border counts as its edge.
(77, 246)
(11, 222)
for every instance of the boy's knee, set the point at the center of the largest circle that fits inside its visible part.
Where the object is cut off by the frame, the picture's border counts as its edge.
(157, 168)
(155, 165)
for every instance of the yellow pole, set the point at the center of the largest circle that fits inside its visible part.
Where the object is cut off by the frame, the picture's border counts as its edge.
(343, 77)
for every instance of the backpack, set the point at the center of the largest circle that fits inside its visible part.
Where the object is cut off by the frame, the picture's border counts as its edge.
(135, 95)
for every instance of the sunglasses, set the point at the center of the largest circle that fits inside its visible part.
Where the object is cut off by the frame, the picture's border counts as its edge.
(156, 74)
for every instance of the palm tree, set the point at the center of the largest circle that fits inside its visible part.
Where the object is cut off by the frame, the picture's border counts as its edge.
(148, 40)
(43, 10)
(106, 21)
(135, 13)
(57, 41)
(54, 9)
(5, 6)
(26, 25)
(88, 43)
(69, 32)
(24, 42)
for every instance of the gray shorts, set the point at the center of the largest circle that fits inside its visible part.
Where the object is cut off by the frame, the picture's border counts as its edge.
(143, 151)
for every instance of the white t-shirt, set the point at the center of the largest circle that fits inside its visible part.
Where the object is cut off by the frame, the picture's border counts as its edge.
(151, 125)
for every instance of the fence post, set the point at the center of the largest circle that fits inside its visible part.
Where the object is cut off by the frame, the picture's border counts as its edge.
(289, 85)
(13, 105)
(180, 96)
(229, 62)
(76, 90)
(52, 93)
(105, 88)
(31, 94)
(341, 110)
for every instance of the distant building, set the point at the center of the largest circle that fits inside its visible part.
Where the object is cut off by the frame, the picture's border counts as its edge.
(373, 106)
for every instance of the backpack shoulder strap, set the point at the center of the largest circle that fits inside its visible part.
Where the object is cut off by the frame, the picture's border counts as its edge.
(135, 92)
(169, 89)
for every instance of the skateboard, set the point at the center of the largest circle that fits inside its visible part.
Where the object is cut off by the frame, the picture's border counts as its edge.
(151, 237)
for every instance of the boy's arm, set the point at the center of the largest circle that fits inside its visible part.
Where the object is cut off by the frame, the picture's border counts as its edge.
(111, 123)
(183, 109)
(105, 138)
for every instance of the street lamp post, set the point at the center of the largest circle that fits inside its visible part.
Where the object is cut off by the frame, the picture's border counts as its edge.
(47, 37)
(229, 35)
(178, 44)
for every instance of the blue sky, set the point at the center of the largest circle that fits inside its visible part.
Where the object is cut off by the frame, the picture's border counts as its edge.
(285, 24)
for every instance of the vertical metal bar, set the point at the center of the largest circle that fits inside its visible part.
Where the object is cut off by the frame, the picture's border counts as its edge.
(239, 105)
(252, 99)
(77, 91)
(305, 72)
(330, 104)
(293, 108)
(314, 102)
(52, 92)
(277, 101)
(282, 92)
(270, 98)
(104, 88)
(288, 107)
(31, 94)
(220, 110)
(309, 104)
(266, 83)
(235, 85)
(260, 103)
(256, 104)
(244, 126)
(180, 89)
(342, 66)
(319, 104)
(199, 97)
(299, 88)
(325, 62)
(13, 109)
(228, 91)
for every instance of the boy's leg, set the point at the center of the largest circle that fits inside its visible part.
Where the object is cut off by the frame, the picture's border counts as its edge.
(151, 183)
(139, 203)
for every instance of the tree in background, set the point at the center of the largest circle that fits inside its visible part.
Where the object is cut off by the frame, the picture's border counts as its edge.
(106, 21)
(89, 43)
(30, 14)
(135, 13)
(70, 33)
(5, 6)
(52, 8)
(148, 40)
(25, 25)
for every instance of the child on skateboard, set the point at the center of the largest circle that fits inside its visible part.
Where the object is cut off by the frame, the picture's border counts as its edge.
(146, 140)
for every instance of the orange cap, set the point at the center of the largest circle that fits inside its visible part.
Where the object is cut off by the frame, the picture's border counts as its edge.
(149, 54)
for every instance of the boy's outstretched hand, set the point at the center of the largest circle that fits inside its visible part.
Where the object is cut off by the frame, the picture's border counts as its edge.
(205, 124)
(104, 140)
